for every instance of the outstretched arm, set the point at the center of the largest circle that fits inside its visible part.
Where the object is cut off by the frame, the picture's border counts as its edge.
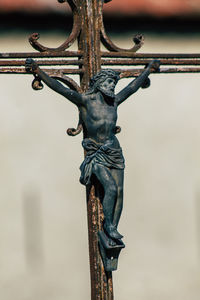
(137, 83)
(73, 96)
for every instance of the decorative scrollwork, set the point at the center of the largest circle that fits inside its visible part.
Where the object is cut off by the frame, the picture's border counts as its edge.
(73, 131)
(33, 39)
(37, 84)
(138, 40)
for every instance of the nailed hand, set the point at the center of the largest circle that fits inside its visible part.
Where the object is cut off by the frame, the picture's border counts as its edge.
(30, 65)
(155, 64)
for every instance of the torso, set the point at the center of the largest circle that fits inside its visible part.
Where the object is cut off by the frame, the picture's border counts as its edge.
(99, 120)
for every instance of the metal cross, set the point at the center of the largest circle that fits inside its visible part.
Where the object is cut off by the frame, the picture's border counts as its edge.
(88, 29)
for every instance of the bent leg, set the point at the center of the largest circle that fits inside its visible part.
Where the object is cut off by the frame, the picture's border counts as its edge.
(104, 176)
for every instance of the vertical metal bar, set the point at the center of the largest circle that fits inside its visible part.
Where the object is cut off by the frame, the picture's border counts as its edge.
(89, 43)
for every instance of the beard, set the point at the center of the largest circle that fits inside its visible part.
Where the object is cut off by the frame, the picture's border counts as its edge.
(108, 93)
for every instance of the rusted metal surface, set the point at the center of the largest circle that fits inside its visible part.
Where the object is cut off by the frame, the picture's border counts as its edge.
(89, 44)
(10, 60)
(149, 55)
(42, 62)
(125, 73)
(107, 54)
(46, 54)
(136, 61)
(108, 62)
(101, 282)
(49, 71)
(89, 40)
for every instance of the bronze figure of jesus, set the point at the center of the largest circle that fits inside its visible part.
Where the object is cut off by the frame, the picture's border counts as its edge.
(98, 114)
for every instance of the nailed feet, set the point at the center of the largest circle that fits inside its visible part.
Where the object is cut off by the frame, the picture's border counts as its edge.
(112, 232)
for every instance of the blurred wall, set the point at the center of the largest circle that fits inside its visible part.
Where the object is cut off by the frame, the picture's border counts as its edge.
(125, 7)
(43, 223)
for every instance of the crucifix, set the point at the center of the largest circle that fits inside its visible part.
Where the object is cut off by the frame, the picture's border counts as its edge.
(102, 168)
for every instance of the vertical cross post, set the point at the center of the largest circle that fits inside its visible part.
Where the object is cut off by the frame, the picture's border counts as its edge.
(89, 40)
(89, 45)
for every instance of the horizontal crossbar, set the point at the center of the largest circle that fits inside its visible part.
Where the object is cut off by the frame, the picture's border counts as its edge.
(106, 62)
(18, 63)
(51, 72)
(136, 61)
(45, 54)
(125, 73)
(136, 72)
(150, 55)
(177, 63)
(106, 54)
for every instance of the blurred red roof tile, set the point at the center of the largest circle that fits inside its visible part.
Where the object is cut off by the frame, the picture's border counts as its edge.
(29, 5)
(155, 7)
(150, 7)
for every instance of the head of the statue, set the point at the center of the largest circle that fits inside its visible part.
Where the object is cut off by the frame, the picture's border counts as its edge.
(105, 82)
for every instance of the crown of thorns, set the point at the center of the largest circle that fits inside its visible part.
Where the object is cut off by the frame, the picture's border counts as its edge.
(103, 75)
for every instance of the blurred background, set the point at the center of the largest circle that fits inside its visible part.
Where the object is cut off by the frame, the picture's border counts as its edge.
(43, 221)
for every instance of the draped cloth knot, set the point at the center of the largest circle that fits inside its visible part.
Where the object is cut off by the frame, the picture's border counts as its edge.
(104, 155)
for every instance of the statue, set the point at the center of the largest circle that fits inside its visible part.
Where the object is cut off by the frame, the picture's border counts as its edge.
(98, 112)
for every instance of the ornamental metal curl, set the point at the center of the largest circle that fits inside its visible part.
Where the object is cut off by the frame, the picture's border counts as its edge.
(73, 131)
(37, 84)
(138, 40)
(33, 39)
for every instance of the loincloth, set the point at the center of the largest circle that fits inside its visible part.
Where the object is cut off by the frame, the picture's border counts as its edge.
(104, 155)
